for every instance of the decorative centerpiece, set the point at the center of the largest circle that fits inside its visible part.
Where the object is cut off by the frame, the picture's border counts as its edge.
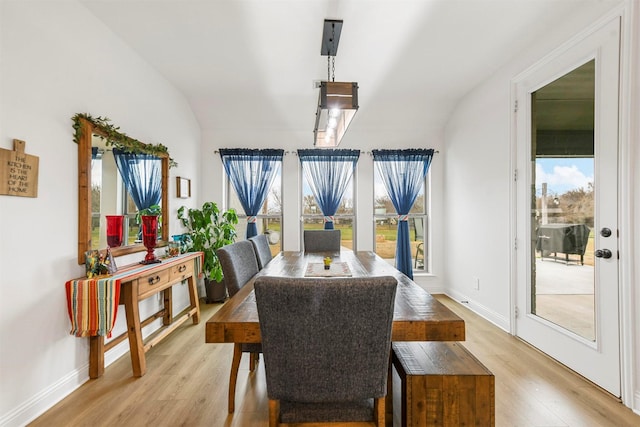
(114, 230)
(99, 264)
(327, 263)
(173, 249)
(149, 217)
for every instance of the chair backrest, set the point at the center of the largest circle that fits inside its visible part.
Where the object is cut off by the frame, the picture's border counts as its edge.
(239, 264)
(322, 240)
(263, 252)
(325, 340)
(419, 229)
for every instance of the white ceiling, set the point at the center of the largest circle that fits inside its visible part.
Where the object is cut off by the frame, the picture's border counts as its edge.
(251, 63)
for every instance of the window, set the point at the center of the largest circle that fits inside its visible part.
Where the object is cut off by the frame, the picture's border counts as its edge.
(328, 191)
(112, 198)
(269, 218)
(401, 208)
(343, 220)
(386, 226)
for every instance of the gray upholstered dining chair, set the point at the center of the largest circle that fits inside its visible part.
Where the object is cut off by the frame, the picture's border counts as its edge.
(263, 252)
(239, 265)
(326, 345)
(322, 240)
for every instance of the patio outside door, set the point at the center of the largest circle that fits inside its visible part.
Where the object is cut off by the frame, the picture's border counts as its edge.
(567, 255)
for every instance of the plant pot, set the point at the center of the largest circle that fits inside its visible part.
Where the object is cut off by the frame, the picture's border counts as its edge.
(216, 291)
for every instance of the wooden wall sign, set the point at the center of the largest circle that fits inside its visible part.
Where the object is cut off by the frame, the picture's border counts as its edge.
(18, 171)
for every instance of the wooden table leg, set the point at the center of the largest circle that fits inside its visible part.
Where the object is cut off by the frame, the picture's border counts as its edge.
(389, 398)
(136, 347)
(168, 306)
(193, 298)
(96, 356)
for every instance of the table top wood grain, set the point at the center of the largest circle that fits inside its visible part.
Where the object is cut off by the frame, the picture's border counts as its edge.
(417, 316)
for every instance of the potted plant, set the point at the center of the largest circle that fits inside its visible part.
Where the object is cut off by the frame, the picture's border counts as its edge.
(210, 229)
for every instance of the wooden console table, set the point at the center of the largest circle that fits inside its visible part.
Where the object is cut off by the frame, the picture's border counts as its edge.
(134, 283)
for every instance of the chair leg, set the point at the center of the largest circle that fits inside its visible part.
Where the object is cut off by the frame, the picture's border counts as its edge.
(253, 361)
(274, 413)
(233, 378)
(379, 411)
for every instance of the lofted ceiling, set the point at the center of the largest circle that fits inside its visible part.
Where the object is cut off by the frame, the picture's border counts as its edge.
(251, 64)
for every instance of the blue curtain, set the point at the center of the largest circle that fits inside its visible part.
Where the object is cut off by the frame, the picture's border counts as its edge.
(142, 176)
(328, 173)
(403, 172)
(251, 173)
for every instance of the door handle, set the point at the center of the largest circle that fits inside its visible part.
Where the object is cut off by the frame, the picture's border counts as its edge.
(603, 253)
(605, 232)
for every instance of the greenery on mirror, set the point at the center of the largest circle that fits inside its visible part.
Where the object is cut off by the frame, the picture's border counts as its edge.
(209, 229)
(153, 210)
(112, 136)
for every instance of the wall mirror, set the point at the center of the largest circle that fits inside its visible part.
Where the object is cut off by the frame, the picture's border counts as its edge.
(100, 189)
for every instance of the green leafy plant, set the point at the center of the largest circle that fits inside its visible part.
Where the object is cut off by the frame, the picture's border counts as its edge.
(153, 210)
(209, 229)
(113, 136)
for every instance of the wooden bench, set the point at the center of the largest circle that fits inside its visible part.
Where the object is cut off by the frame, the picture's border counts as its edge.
(443, 384)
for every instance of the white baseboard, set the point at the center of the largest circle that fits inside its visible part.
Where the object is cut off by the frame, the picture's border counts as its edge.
(497, 319)
(43, 401)
(49, 397)
(636, 403)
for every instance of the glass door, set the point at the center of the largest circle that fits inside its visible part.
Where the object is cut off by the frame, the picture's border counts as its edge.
(567, 207)
(562, 205)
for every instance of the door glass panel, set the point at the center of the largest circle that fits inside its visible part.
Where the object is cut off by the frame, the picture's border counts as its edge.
(562, 211)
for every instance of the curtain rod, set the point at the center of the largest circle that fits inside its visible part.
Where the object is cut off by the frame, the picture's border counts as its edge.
(371, 153)
(217, 151)
(295, 152)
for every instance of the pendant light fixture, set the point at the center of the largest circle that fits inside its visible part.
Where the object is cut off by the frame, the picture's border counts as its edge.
(337, 101)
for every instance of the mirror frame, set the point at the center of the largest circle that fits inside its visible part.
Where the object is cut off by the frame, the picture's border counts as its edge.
(83, 138)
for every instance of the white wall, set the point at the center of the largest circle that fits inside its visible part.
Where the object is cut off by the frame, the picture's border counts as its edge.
(58, 60)
(478, 175)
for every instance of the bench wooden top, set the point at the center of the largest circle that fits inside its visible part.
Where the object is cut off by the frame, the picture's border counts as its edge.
(437, 358)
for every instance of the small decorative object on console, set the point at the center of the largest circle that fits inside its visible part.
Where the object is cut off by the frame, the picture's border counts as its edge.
(99, 264)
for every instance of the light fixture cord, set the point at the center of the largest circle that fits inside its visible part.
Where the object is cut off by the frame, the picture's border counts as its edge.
(331, 60)
(333, 69)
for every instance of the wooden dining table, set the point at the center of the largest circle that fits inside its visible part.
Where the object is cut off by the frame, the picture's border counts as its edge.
(417, 316)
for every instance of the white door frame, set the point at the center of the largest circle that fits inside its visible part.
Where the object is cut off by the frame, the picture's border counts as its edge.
(629, 17)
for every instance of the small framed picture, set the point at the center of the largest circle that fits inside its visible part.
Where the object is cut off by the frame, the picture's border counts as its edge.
(184, 187)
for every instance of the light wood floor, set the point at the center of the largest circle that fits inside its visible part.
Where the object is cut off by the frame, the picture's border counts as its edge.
(187, 380)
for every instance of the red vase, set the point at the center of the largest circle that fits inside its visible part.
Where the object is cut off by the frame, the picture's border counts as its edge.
(114, 230)
(150, 237)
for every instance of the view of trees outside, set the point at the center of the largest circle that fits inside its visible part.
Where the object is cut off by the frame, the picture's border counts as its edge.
(573, 207)
(270, 217)
(386, 225)
(343, 219)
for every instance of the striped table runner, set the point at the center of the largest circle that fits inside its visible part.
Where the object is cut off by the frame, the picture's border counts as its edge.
(93, 303)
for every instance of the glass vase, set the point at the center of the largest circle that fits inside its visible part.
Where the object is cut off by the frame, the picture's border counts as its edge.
(150, 237)
(114, 230)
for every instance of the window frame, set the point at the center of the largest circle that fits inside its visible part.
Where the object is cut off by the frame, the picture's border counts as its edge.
(242, 217)
(427, 261)
(352, 216)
